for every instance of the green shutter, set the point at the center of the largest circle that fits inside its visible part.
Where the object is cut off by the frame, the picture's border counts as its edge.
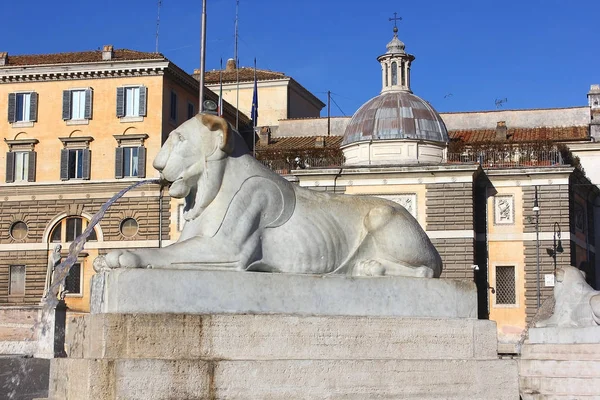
(33, 106)
(66, 111)
(89, 93)
(143, 100)
(10, 167)
(31, 168)
(64, 164)
(87, 158)
(119, 162)
(141, 162)
(120, 102)
(12, 107)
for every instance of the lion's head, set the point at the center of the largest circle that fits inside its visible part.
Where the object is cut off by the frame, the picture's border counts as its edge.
(191, 160)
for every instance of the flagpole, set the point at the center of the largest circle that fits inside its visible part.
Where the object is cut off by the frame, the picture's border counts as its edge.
(254, 111)
(221, 89)
(202, 57)
(237, 69)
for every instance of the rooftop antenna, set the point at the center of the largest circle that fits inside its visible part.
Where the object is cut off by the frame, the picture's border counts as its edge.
(237, 69)
(500, 102)
(158, 23)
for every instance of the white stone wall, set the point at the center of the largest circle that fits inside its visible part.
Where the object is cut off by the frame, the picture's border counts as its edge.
(552, 117)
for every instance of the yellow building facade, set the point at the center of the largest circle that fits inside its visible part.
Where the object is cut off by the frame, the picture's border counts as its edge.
(77, 128)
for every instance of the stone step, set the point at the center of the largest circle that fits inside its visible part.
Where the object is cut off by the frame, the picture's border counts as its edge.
(559, 369)
(283, 379)
(273, 337)
(561, 352)
(555, 387)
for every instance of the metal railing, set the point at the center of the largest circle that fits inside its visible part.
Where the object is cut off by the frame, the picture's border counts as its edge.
(287, 165)
(508, 159)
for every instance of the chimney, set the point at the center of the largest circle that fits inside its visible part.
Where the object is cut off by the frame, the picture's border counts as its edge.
(3, 58)
(264, 135)
(230, 66)
(501, 131)
(107, 52)
(320, 142)
(594, 102)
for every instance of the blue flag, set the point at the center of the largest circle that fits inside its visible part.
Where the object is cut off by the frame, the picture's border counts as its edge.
(254, 111)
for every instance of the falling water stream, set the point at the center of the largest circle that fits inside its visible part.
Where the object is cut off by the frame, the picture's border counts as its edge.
(62, 269)
(50, 301)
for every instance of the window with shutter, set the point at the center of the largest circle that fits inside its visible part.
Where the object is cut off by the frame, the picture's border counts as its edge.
(21, 160)
(75, 157)
(22, 108)
(130, 156)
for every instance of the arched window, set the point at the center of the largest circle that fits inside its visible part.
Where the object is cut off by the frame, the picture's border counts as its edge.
(70, 228)
(394, 73)
(386, 76)
(402, 74)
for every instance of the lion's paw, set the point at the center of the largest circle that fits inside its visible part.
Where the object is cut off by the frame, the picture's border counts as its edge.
(369, 268)
(123, 259)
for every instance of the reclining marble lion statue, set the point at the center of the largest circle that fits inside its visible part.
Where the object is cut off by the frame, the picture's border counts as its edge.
(241, 215)
(577, 304)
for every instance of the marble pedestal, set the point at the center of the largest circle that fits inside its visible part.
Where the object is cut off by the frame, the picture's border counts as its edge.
(295, 340)
(560, 363)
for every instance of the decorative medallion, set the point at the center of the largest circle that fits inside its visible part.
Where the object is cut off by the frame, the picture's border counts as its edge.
(504, 210)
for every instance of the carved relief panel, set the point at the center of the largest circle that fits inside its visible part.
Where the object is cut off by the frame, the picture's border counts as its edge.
(504, 210)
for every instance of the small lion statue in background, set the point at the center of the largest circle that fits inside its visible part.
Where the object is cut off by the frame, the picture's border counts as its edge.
(577, 304)
(241, 215)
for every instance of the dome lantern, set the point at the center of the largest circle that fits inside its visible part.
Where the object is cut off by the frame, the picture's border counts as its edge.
(395, 64)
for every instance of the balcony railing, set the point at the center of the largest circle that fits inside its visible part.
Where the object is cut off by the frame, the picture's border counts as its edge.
(286, 166)
(509, 159)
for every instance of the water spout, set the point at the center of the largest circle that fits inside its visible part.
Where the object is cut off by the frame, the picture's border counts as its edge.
(62, 270)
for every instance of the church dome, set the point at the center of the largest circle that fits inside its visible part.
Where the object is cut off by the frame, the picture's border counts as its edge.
(395, 115)
(395, 127)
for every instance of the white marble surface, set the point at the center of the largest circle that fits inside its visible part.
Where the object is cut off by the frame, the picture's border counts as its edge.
(197, 291)
(241, 215)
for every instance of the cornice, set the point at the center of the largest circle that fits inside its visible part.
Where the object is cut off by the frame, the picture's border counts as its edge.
(42, 73)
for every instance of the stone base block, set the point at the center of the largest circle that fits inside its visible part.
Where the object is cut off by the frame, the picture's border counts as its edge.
(234, 356)
(196, 291)
(283, 379)
(274, 337)
(560, 363)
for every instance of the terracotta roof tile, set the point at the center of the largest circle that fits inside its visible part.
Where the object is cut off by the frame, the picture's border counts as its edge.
(245, 74)
(300, 143)
(80, 57)
(523, 134)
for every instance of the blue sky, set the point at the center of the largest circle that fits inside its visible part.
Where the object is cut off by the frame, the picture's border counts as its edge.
(535, 53)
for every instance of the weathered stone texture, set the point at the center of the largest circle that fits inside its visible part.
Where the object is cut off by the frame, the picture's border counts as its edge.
(239, 356)
(273, 337)
(552, 366)
(449, 206)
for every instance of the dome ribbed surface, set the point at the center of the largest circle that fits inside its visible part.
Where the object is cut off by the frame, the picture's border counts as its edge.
(395, 115)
